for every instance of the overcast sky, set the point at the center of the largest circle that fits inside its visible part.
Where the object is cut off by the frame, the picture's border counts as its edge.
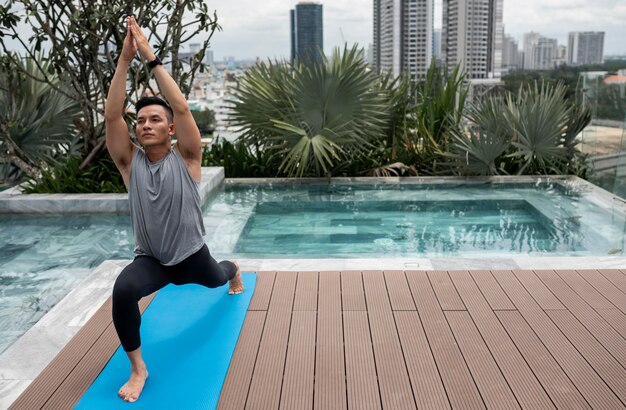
(252, 28)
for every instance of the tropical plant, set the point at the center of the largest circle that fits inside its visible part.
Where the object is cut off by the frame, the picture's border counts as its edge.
(205, 120)
(85, 38)
(544, 127)
(311, 117)
(100, 176)
(389, 156)
(533, 132)
(480, 149)
(238, 159)
(36, 118)
(440, 108)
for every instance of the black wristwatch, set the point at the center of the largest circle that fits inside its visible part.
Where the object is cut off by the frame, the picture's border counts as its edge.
(157, 61)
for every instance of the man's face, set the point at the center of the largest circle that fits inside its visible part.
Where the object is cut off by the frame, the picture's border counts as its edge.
(153, 126)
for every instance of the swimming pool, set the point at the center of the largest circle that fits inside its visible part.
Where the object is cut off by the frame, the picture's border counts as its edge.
(412, 220)
(42, 258)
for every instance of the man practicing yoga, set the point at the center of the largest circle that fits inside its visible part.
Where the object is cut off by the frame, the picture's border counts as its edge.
(162, 182)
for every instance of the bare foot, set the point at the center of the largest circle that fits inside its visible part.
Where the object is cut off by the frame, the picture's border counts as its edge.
(132, 389)
(235, 285)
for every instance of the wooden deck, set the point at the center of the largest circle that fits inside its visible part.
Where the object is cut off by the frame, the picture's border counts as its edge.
(403, 340)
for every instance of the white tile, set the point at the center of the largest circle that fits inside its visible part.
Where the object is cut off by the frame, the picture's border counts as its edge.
(31, 353)
(10, 390)
(473, 263)
(581, 262)
(76, 308)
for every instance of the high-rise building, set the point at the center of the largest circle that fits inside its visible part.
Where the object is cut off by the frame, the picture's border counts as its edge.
(370, 54)
(403, 36)
(545, 53)
(437, 45)
(511, 55)
(472, 37)
(307, 32)
(585, 47)
(540, 53)
(208, 58)
(561, 55)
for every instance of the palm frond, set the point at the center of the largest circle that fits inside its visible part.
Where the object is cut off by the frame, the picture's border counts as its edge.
(315, 115)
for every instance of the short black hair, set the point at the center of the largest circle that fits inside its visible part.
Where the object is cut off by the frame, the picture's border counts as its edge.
(152, 100)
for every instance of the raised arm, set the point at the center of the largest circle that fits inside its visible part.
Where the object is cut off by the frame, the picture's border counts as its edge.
(118, 140)
(187, 133)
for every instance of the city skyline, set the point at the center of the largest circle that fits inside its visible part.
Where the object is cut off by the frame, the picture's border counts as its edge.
(250, 32)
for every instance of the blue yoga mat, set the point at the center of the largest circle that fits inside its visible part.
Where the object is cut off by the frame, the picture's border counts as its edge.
(188, 336)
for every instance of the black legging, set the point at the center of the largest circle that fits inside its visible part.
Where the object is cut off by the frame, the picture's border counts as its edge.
(146, 275)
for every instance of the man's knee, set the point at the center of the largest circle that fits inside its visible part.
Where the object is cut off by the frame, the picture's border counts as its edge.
(125, 289)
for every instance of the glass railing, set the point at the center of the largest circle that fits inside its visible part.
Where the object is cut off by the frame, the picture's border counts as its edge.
(604, 139)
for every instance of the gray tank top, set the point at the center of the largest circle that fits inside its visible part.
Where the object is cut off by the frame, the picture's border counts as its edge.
(164, 208)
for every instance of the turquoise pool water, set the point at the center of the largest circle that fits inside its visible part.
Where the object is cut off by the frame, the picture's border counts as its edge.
(405, 220)
(43, 258)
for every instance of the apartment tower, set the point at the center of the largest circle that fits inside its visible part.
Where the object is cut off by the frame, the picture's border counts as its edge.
(472, 35)
(585, 47)
(511, 55)
(403, 36)
(307, 32)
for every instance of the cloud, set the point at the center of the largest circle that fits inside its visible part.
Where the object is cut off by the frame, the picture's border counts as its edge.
(252, 28)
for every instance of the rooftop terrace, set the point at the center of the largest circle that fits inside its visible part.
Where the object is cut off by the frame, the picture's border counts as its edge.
(403, 339)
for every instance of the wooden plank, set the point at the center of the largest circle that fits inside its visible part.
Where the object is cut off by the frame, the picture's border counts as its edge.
(306, 291)
(376, 296)
(297, 391)
(491, 290)
(393, 379)
(267, 376)
(582, 375)
(425, 380)
(237, 383)
(361, 381)
(615, 318)
(266, 382)
(584, 290)
(330, 388)
(329, 297)
(456, 377)
(616, 277)
(610, 339)
(352, 294)
(283, 292)
(492, 385)
(606, 288)
(523, 382)
(447, 295)
(604, 364)
(58, 377)
(76, 384)
(330, 383)
(262, 291)
(398, 290)
(44, 386)
(536, 288)
(563, 393)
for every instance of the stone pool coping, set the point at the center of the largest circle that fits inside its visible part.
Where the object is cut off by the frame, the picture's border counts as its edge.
(13, 201)
(29, 355)
(600, 196)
